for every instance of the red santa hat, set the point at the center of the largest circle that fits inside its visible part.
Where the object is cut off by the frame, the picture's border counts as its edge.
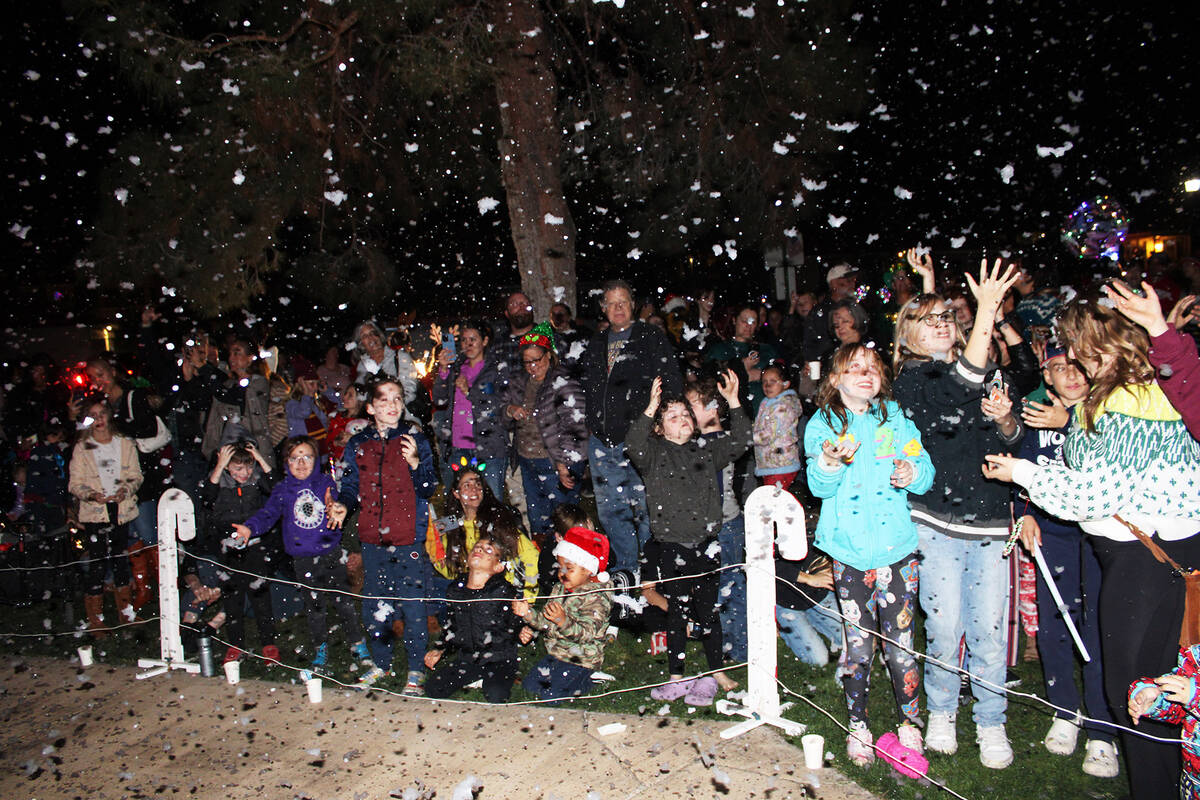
(588, 549)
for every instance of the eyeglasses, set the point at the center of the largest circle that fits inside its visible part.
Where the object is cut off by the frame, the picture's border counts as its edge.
(300, 459)
(529, 362)
(933, 320)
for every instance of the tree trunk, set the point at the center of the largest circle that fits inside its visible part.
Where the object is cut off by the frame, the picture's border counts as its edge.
(530, 149)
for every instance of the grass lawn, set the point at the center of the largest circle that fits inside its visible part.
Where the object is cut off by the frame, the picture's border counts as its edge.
(1034, 771)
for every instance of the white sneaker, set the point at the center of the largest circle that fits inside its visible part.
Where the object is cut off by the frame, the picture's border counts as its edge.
(1100, 760)
(859, 744)
(994, 750)
(941, 736)
(910, 737)
(1062, 736)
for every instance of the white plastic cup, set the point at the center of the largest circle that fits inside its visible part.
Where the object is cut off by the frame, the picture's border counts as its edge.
(233, 671)
(814, 750)
(85, 655)
(814, 370)
(314, 689)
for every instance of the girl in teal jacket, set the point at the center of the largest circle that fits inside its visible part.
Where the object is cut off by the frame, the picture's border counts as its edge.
(864, 458)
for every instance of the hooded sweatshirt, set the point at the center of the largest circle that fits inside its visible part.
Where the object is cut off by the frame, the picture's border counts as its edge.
(301, 505)
(865, 521)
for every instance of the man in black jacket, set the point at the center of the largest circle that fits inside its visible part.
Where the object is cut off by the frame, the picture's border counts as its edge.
(618, 367)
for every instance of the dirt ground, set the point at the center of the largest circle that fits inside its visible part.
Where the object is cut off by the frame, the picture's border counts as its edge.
(67, 732)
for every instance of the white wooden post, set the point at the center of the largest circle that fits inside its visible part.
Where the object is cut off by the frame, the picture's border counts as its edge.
(176, 523)
(768, 509)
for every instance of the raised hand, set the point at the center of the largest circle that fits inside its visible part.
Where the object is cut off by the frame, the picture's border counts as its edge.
(727, 387)
(991, 287)
(1145, 311)
(922, 264)
(1185, 311)
(655, 397)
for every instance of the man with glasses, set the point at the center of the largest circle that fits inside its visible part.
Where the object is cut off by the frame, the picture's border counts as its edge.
(618, 367)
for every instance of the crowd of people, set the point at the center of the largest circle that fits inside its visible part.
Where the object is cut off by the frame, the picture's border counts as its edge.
(438, 502)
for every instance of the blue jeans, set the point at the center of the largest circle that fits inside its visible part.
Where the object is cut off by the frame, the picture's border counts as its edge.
(543, 492)
(551, 679)
(145, 526)
(801, 631)
(395, 571)
(964, 591)
(731, 591)
(493, 472)
(620, 503)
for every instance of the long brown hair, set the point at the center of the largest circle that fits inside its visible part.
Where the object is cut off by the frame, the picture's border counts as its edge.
(829, 399)
(1091, 330)
(494, 521)
(908, 327)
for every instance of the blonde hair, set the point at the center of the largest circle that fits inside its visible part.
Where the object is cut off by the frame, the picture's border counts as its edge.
(1093, 330)
(829, 399)
(908, 327)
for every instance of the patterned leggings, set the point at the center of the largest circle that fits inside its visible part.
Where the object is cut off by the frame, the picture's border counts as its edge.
(879, 600)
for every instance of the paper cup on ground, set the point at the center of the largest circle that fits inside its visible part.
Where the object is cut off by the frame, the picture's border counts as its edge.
(85, 656)
(233, 671)
(314, 690)
(814, 750)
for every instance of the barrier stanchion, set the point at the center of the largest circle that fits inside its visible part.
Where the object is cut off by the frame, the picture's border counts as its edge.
(176, 523)
(768, 509)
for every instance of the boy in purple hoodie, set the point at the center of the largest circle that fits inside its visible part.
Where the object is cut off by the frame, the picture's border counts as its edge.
(311, 536)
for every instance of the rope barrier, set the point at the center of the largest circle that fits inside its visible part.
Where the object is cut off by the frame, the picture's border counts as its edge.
(1038, 701)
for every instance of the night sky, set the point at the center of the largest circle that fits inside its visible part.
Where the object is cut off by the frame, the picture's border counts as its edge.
(946, 153)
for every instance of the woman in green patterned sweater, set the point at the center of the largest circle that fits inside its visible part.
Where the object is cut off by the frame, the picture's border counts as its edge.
(1130, 459)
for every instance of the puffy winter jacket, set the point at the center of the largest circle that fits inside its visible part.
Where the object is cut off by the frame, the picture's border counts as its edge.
(393, 497)
(483, 628)
(560, 412)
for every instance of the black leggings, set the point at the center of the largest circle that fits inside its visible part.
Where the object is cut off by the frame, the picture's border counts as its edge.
(692, 598)
(327, 572)
(239, 589)
(105, 543)
(1141, 611)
